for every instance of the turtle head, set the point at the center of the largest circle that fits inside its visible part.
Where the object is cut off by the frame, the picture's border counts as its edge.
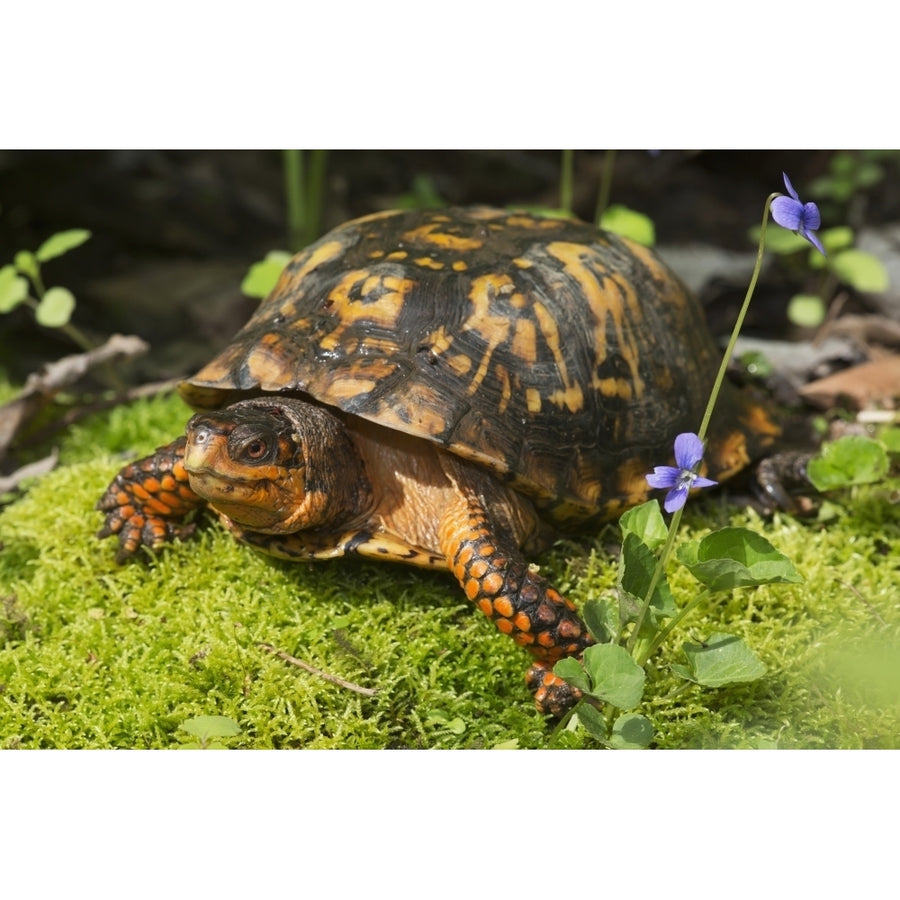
(275, 465)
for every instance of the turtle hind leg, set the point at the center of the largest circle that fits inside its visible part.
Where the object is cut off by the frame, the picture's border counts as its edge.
(521, 604)
(147, 502)
(779, 482)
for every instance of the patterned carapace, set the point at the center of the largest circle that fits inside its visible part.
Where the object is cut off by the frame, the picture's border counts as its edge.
(496, 375)
(554, 354)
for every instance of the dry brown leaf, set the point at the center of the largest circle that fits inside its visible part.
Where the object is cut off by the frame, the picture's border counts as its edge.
(870, 384)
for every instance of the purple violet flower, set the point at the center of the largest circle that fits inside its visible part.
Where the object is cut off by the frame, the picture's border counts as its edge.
(682, 477)
(801, 218)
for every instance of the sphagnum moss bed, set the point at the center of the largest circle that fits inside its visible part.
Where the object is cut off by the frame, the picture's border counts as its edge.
(96, 655)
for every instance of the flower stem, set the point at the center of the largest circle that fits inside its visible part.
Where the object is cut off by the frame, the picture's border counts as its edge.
(644, 652)
(642, 655)
(654, 580)
(738, 324)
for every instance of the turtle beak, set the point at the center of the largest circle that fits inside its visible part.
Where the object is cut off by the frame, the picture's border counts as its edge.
(205, 446)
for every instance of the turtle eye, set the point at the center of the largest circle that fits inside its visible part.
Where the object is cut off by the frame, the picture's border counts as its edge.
(256, 449)
(250, 445)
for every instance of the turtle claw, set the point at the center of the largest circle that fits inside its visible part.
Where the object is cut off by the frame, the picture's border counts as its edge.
(138, 530)
(552, 695)
(147, 502)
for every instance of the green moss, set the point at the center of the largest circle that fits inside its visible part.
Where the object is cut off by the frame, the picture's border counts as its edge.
(97, 655)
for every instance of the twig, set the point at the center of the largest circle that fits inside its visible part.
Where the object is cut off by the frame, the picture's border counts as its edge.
(53, 377)
(80, 412)
(32, 470)
(863, 601)
(367, 692)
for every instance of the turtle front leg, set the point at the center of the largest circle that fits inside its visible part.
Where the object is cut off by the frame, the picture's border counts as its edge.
(521, 603)
(146, 503)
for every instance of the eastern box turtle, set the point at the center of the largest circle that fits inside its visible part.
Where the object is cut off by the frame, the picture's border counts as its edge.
(447, 389)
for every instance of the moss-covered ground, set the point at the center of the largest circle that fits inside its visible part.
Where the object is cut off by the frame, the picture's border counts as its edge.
(97, 655)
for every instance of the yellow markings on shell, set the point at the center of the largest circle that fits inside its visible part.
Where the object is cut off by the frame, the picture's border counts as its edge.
(571, 397)
(533, 400)
(422, 411)
(314, 257)
(372, 217)
(376, 254)
(522, 263)
(429, 263)
(459, 266)
(614, 387)
(536, 224)
(341, 385)
(758, 422)
(484, 212)
(267, 363)
(657, 269)
(505, 388)
(730, 454)
(460, 363)
(439, 340)
(382, 311)
(524, 342)
(428, 234)
(631, 478)
(398, 255)
(621, 305)
(493, 330)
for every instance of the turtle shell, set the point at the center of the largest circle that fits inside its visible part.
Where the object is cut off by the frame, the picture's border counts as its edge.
(561, 358)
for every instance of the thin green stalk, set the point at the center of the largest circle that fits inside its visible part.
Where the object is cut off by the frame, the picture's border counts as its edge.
(294, 195)
(316, 192)
(606, 175)
(704, 425)
(643, 654)
(565, 180)
(738, 324)
(654, 581)
(75, 335)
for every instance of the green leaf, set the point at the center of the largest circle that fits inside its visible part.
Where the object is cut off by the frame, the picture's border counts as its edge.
(207, 727)
(861, 271)
(890, 437)
(263, 276)
(601, 618)
(593, 721)
(636, 568)
(736, 557)
(806, 310)
(629, 223)
(722, 659)
(631, 731)
(13, 288)
(615, 677)
(647, 522)
(55, 308)
(60, 243)
(834, 239)
(847, 461)
(570, 670)
(25, 262)
(757, 364)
